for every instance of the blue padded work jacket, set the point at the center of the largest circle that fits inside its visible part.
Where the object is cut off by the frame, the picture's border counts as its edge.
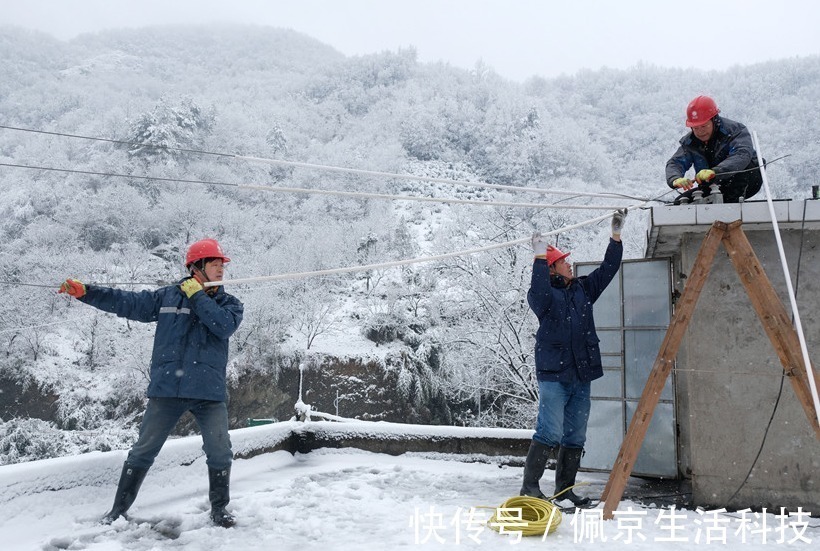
(566, 344)
(191, 341)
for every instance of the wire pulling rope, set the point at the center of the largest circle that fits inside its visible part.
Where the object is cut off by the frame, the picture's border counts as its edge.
(349, 194)
(797, 323)
(348, 269)
(296, 164)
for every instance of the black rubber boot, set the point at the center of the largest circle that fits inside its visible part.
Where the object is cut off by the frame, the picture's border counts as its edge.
(220, 495)
(537, 458)
(130, 481)
(569, 460)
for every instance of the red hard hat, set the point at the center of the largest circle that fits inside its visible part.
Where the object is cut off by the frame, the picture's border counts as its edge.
(554, 255)
(700, 111)
(205, 248)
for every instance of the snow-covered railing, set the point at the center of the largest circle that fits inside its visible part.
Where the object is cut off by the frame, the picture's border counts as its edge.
(98, 469)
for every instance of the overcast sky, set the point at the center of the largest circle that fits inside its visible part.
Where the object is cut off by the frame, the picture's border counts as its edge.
(517, 38)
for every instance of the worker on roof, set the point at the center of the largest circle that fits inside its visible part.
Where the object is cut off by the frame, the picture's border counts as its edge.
(188, 365)
(721, 152)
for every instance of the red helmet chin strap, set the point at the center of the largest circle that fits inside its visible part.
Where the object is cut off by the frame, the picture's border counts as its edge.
(202, 277)
(199, 273)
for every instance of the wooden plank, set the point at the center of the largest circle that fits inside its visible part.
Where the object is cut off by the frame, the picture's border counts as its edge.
(774, 317)
(614, 490)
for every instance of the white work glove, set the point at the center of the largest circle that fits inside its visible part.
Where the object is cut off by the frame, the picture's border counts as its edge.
(539, 245)
(618, 222)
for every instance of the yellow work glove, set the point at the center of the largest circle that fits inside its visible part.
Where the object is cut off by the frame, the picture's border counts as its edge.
(683, 183)
(705, 175)
(73, 287)
(190, 287)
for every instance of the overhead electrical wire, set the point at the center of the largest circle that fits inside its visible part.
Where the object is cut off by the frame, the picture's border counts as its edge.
(316, 191)
(782, 375)
(349, 269)
(798, 325)
(329, 168)
(341, 193)
(344, 194)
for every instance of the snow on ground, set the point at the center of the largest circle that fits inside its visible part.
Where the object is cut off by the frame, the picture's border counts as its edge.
(337, 499)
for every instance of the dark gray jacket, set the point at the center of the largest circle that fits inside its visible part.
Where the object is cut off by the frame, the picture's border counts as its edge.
(732, 151)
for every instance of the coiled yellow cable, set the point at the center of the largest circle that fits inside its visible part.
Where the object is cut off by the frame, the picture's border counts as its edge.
(541, 517)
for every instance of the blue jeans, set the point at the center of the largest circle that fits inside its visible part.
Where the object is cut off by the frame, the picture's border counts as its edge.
(563, 414)
(161, 417)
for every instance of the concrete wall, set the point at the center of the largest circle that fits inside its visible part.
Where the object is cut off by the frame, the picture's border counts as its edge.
(729, 377)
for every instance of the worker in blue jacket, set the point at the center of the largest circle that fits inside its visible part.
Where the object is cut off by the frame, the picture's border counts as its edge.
(567, 360)
(721, 152)
(188, 366)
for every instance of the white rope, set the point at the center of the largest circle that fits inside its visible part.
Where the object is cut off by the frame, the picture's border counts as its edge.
(431, 179)
(349, 269)
(365, 195)
(797, 323)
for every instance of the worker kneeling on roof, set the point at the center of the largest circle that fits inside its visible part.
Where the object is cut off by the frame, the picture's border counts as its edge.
(721, 152)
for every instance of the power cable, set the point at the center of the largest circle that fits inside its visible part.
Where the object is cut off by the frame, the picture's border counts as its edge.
(348, 194)
(783, 373)
(767, 163)
(359, 172)
(349, 269)
(798, 324)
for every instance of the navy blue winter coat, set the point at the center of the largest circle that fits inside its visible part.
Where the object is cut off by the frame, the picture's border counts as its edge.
(191, 341)
(566, 344)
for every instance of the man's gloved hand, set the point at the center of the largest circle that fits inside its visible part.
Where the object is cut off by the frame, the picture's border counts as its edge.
(618, 220)
(190, 287)
(705, 175)
(73, 287)
(683, 183)
(539, 245)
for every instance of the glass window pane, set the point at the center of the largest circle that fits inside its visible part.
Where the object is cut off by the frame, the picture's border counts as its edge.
(657, 455)
(607, 308)
(611, 361)
(608, 386)
(604, 434)
(646, 294)
(640, 351)
(610, 341)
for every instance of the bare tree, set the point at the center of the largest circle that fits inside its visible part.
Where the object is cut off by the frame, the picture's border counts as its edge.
(314, 311)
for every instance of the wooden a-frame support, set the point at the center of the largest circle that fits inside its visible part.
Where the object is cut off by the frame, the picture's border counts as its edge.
(772, 314)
